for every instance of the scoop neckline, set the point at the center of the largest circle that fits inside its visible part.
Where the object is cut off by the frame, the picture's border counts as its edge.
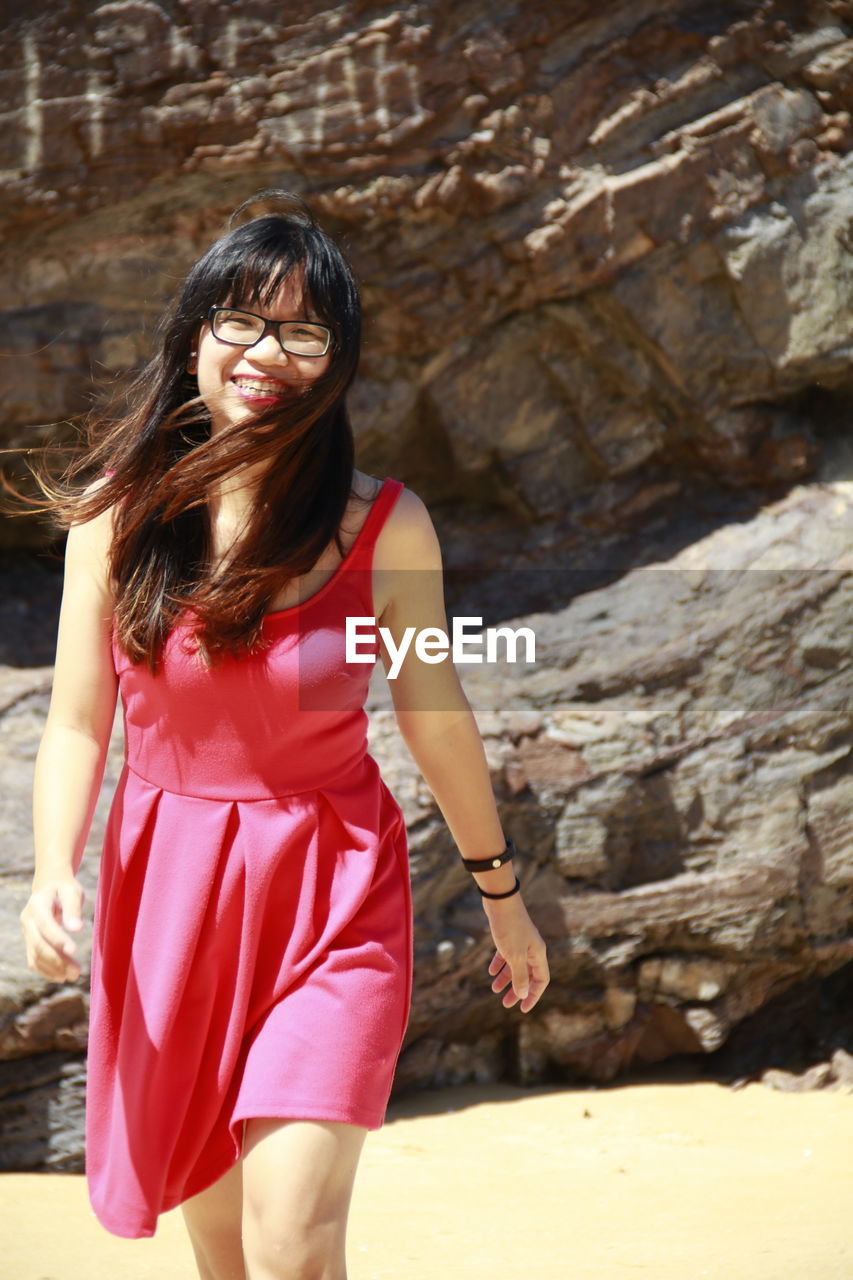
(301, 604)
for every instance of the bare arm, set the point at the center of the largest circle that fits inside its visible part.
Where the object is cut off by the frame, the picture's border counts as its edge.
(439, 729)
(72, 753)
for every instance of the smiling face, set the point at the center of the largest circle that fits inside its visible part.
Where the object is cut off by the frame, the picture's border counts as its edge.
(237, 382)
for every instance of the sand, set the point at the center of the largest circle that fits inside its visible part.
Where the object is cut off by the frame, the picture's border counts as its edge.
(671, 1181)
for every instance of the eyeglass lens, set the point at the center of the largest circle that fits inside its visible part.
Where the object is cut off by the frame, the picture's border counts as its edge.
(299, 337)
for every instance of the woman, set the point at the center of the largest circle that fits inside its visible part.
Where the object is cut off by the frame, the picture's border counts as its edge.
(251, 961)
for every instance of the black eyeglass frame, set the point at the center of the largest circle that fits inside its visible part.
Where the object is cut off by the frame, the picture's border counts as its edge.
(270, 326)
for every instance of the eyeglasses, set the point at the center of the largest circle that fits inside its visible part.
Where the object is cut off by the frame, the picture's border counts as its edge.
(244, 329)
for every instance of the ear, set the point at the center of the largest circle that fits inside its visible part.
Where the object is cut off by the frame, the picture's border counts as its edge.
(192, 359)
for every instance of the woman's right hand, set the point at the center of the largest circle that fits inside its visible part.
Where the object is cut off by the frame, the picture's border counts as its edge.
(53, 912)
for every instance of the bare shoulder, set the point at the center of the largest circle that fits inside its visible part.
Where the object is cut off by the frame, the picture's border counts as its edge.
(408, 539)
(363, 493)
(365, 488)
(87, 549)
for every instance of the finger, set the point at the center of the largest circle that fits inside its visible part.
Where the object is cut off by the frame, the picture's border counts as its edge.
(496, 964)
(68, 972)
(502, 981)
(520, 978)
(70, 898)
(50, 964)
(533, 996)
(45, 928)
(511, 999)
(539, 971)
(45, 951)
(540, 977)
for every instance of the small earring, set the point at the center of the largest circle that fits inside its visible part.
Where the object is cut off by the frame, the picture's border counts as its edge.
(192, 363)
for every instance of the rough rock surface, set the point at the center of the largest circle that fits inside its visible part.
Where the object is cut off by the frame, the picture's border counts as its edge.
(605, 254)
(676, 766)
(801, 1040)
(605, 249)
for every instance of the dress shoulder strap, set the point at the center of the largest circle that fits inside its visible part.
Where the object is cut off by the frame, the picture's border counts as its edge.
(361, 551)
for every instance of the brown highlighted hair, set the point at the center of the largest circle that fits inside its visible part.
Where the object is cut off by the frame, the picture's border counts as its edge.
(158, 461)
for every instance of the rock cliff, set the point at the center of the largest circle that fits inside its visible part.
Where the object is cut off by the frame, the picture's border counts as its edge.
(675, 766)
(605, 250)
(605, 254)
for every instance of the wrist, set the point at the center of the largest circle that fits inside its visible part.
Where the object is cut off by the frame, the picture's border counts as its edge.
(52, 874)
(491, 862)
(500, 881)
(494, 874)
(496, 896)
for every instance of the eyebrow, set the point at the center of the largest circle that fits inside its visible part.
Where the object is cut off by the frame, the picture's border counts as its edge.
(309, 315)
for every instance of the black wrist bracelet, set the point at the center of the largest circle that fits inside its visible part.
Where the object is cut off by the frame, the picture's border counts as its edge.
(509, 893)
(490, 864)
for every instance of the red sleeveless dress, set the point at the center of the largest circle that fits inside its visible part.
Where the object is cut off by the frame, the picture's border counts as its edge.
(252, 950)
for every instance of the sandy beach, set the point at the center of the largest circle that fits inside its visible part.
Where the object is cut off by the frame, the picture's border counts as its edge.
(672, 1181)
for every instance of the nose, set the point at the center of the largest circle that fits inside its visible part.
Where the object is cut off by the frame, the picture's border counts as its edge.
(268, 348)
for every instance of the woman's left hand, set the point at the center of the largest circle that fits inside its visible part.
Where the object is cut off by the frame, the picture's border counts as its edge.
(519, 966)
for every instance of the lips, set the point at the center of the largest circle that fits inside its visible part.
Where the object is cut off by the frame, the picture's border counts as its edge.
(261, 389)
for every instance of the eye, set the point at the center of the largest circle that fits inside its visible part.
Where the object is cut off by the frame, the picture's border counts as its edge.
(236, 320)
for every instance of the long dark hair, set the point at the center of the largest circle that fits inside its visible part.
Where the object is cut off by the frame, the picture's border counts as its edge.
(158, 461)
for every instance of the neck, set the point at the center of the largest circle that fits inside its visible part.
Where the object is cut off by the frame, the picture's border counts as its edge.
(231, 499)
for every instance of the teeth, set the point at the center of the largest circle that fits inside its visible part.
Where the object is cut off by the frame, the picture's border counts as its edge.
(251, 385)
